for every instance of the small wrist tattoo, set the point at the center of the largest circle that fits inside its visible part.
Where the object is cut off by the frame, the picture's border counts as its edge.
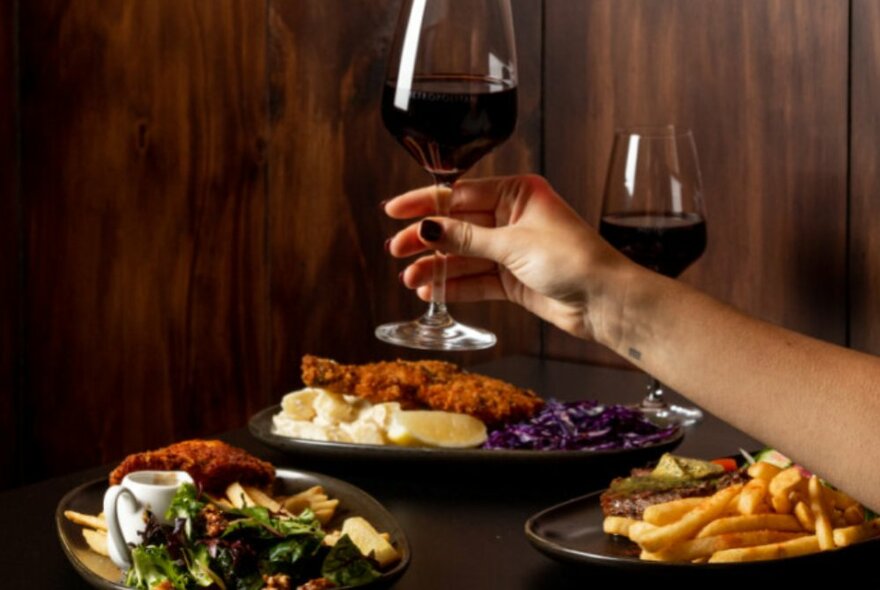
(635, 354)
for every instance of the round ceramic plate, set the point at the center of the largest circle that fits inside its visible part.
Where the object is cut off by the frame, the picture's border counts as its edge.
(571, 532)
(261, 427)
(100, 572)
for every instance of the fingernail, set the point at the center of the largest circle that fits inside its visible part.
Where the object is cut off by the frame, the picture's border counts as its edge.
(400, 276)
(382, 204)
(388, 245)
(430, 230)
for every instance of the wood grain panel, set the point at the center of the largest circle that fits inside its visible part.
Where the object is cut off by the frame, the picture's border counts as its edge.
(518, 331)
(10, 271)
(763, 84)
(332, 162)
(200, 181)
(144, 128)
(865, 178)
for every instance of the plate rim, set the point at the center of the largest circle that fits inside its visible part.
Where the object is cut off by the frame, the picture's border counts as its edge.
(259, 425)
(388, 577)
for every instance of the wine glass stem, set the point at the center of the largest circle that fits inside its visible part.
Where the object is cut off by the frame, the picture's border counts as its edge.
(437, 313)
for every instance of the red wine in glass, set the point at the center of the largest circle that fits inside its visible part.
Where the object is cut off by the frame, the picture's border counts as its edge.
(667, 243)
(652, 212)
(449, 99)
(451, 121)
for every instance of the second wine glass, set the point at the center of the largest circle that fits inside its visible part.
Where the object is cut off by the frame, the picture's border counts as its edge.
(449, 99)
(653, 212)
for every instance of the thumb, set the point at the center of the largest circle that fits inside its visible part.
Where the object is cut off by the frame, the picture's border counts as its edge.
(454, 236)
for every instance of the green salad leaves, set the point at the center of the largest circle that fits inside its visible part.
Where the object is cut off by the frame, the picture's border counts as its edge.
(153, 564)
(214, 546)
(345, 566)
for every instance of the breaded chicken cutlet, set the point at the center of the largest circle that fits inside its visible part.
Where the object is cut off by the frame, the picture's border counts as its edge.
(211, 463)
(417, 384)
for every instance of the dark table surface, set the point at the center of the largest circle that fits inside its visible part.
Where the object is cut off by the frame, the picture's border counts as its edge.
(465, 525)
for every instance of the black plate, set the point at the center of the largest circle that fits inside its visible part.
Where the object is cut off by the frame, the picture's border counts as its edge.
(100, 572)
(571, 532)
(261, 427)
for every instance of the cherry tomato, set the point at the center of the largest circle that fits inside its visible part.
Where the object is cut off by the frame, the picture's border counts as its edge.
(728, 464)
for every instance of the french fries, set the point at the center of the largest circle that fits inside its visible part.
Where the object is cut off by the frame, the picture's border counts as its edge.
(97, 541)
(239, 498)
(805, 517)
(708, 546)
(261, 498)
(751, 522)
(638, 528)
(762, 470)
(792, 548)
(315, 499)
(782, 486)
(87, 520)
(751, 499)
(854, 514)
(369, 541)
(819, 506)
(853, 534)
(841, 500)
(778, 513)
(690, 524)
(668, 512)
(618, 525)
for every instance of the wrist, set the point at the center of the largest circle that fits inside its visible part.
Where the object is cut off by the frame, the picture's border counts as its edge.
(619, 308)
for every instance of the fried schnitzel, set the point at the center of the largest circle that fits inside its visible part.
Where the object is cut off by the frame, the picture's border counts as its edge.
(211, 463)
(416, 384)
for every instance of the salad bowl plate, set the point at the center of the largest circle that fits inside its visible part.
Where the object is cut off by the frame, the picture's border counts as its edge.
(100, 572)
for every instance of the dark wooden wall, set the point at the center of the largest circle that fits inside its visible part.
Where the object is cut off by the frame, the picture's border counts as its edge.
(143, 173)
(200, 188)
(192, 204)
(763, 85)
(865, 177)
(10, 264)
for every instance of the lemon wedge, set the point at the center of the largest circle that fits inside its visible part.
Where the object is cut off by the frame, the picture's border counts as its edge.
(436, 429)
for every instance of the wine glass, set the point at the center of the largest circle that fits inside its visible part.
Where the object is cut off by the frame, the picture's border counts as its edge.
(449, 98)
(652, 212)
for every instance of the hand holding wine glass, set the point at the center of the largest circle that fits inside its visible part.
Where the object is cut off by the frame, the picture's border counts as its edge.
(510, 238)
(449, 99)
(653, 213)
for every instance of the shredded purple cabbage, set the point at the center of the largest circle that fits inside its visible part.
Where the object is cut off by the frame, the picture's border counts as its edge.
(583, 426)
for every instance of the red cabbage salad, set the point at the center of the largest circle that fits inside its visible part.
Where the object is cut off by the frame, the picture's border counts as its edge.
(580, 426)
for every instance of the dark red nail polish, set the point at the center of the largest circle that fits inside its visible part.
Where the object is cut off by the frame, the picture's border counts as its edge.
(388, 245)
(430, 231)
(400, 276)
(382, 204)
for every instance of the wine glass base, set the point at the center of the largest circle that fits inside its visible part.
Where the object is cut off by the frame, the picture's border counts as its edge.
(447, 336)
(664, 415)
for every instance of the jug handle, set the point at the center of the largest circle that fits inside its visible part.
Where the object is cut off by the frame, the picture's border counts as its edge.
(116, 540)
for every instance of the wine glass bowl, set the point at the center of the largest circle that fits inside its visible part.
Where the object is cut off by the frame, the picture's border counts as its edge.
(450, 97)
(450, 121)
(652, 212)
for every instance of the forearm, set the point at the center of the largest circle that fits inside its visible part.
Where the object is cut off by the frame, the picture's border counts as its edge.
(815, 401)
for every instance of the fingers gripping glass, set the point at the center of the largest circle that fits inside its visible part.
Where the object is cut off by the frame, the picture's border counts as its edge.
(653, 212)
(449, 99)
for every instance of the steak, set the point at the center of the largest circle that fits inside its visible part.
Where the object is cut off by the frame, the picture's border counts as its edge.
(629, 496)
